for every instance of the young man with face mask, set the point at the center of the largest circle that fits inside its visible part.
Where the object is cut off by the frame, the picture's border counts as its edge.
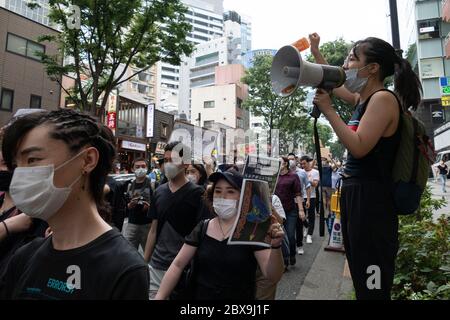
(176, 209)
(138, 194)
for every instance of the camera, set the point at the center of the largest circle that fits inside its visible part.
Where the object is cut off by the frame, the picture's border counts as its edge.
(140, 201)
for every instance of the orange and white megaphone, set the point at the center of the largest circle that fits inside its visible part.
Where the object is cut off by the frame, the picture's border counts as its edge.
(289, 71)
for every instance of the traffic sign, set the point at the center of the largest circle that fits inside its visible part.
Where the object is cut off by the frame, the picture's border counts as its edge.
(445, 101)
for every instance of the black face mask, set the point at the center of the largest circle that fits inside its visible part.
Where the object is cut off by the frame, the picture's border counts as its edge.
(5, 180)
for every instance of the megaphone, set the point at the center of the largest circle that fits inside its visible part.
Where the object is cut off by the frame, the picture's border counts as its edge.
(289, 72)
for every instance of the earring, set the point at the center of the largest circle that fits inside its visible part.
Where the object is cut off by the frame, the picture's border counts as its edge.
(84, 180)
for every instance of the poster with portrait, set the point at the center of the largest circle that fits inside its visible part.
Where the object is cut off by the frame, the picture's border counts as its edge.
(255, 205)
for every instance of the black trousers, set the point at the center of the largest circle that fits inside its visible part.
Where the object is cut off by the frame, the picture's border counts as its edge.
(370, 232)
(309, 223)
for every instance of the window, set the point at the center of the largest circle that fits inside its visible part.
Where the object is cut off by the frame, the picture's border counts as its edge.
(35, 102)
(164, 130)
(6, 99)
(208, 124)
(24, 47)
(239, 123)
(428, 29)
(208, 104)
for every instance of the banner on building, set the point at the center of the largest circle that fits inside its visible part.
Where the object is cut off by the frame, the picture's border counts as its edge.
(150, 120)
(111, 120)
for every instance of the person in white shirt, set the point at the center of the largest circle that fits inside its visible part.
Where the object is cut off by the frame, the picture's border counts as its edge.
(314, 179)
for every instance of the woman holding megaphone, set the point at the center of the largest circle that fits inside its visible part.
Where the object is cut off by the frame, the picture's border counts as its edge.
(369, 221)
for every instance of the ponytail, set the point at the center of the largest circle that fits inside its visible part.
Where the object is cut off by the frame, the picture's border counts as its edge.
(407, 84)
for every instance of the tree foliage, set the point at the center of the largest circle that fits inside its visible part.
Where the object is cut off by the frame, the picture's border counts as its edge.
(280, 113)
(113, 36)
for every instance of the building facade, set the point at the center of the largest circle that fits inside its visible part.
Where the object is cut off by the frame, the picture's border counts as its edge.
(424, 31)
(206, 18)
(23, 80)
(222, 103)
(38, 14)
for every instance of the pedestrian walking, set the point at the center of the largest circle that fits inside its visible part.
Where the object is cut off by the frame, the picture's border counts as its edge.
(314, 179)
(289, 190)
(138, 202)
(177, 207)
(443, 172)
(222, 271)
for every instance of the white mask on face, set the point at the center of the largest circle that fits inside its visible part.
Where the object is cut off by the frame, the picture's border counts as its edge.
(192, 178)
(225, 208)
(353, 83)
(34, 193)
(171, 170)
(140, 173)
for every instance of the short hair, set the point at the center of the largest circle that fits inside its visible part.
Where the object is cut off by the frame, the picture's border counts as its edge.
(306, 158)
(139, 160)
(292, 154)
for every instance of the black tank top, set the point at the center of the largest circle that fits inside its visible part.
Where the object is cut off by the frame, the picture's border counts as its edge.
(378, 163)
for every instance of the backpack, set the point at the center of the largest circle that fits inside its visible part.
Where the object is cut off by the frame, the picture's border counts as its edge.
(412, 162)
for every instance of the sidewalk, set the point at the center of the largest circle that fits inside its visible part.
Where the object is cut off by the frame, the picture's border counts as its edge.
(328, 278)
(437, 193)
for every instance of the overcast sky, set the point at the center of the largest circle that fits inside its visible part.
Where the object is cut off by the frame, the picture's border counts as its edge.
(280, 22)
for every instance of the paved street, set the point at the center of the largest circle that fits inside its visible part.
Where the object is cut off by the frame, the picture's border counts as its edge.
(318, 274)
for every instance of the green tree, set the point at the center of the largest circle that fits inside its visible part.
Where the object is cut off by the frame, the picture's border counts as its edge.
(113, 35)
(337, 149)
(280, 113)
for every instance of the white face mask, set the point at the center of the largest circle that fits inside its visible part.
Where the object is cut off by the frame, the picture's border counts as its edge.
(140, 173)
(171, 170)
(225, 208)
(34, 193)
(192, 178)
(353, 83)
(292, 164)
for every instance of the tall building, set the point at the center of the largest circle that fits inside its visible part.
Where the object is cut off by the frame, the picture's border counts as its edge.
(244, 23)
(222, 103)
(20, 7)
(206, 17)
(424, 31)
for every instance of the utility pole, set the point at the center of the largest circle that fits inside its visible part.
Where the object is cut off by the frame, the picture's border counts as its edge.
(394, 25)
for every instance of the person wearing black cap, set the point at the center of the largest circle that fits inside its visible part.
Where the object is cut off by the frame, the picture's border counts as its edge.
(224, 272)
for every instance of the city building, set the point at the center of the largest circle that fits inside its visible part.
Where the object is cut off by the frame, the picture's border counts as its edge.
(142, 86)
(38, 14)
(23, 80)
(232, 21)
(222, 103)
(424, 38)
(206, 17)
(199, 70)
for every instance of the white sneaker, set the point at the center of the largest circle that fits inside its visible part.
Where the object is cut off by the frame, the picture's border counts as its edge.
(300, 250)
(308, 239)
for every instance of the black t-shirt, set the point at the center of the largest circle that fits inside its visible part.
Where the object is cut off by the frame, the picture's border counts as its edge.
(116, 199)
(177, 214)
(106, 268)
(138, 215)
(443, 169)
(12, 243)
(222, 271)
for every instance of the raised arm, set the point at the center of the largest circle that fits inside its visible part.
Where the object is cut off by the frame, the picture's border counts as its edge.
(341, 92)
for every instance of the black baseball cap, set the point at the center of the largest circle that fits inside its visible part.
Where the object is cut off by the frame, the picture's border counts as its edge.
(231, 176)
